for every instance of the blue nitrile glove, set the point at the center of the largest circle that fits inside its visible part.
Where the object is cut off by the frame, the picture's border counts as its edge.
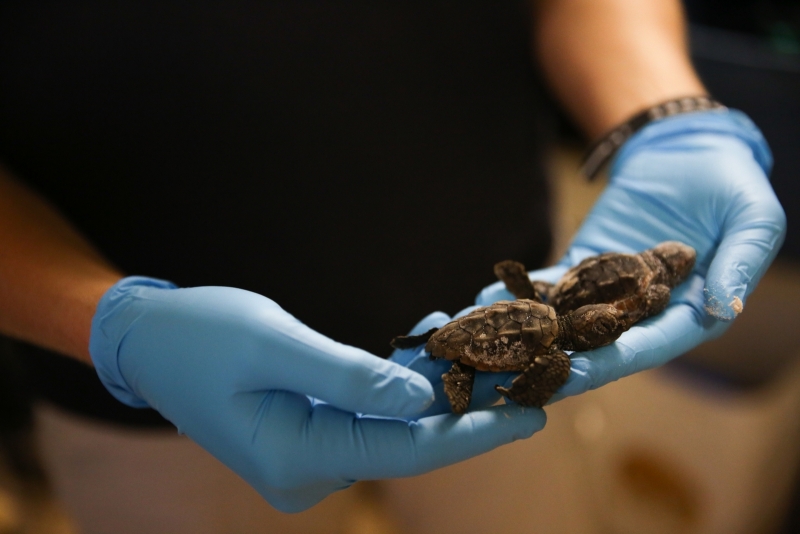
(274, 400)
(416, 359)
(700, 178)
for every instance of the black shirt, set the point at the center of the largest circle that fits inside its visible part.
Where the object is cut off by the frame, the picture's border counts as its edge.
(361, 163)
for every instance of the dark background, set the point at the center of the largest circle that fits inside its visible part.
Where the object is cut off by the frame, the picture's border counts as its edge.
(748, 54)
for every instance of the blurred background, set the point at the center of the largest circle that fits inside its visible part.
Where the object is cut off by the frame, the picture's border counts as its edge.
(708, 444)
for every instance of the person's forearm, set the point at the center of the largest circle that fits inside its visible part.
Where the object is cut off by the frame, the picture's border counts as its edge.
(51, 279)
(608, 59)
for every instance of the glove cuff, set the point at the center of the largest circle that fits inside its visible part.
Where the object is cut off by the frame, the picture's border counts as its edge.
(728, 122)
(109, 324)
(601, 151)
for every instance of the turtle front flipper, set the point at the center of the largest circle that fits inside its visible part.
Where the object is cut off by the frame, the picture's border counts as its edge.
(543, 289)
(637, 308)
(540, 380)
(409, 342)
(458, 383)
(515, 277)
(656, 299)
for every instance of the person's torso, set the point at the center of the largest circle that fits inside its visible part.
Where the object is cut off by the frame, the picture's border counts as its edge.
(361, 163)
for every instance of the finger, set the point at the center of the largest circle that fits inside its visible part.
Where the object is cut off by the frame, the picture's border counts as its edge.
(649, 344)
(753, 234)
(340, 448)
(406, 356)
(498, 291)
(387, 449)
(344, 376)
(466, 311)
(265, 439)
(433, 371)
(484, 394)
(436, 319)
(492, 294)
(419, 360)
(440, 404)
(301, 498)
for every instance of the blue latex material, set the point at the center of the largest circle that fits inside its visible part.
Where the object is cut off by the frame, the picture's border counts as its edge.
(416, 359)
(700, 178)
(280, 404)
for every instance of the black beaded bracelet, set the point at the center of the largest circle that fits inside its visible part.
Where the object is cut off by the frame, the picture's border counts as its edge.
(602, 150)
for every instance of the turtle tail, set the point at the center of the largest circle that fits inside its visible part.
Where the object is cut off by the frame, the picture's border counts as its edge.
(409, 342)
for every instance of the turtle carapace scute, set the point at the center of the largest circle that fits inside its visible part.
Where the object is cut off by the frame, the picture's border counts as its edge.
(521, 335)
(637, 284)
(589, 307)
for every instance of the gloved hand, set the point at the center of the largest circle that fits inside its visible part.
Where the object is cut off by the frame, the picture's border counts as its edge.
(274, 400)
(416, 359)
(700, 178)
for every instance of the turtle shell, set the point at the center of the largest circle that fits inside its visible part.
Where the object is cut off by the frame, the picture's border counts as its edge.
(505, 336)
(609, 277)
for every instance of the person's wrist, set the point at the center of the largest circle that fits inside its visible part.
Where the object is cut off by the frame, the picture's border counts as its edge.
(603, 149)
(726, 122)
(110, 322)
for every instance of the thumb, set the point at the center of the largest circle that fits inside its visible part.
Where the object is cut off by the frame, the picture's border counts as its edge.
(752, 236)
(341, 375)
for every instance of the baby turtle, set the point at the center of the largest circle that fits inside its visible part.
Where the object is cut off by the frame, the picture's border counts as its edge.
(637, 284)
(523, 335)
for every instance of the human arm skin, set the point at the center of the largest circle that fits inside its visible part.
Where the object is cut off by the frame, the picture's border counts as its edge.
(700, 178)
(51, 278)
(608, 59)
(277, 402)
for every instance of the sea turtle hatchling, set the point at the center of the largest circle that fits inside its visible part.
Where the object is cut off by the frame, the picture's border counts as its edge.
(637, 284)
(522, 335)
(589, 307)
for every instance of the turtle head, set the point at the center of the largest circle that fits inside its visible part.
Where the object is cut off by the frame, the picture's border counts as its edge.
(678, 260)
(592, 326)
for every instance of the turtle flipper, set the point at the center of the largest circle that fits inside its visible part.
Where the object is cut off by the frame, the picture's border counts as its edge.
(458, 383)
(657, 298)
(540, 380)
(515, 277)
(637, 308)
(543, 289)
(409, 342)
